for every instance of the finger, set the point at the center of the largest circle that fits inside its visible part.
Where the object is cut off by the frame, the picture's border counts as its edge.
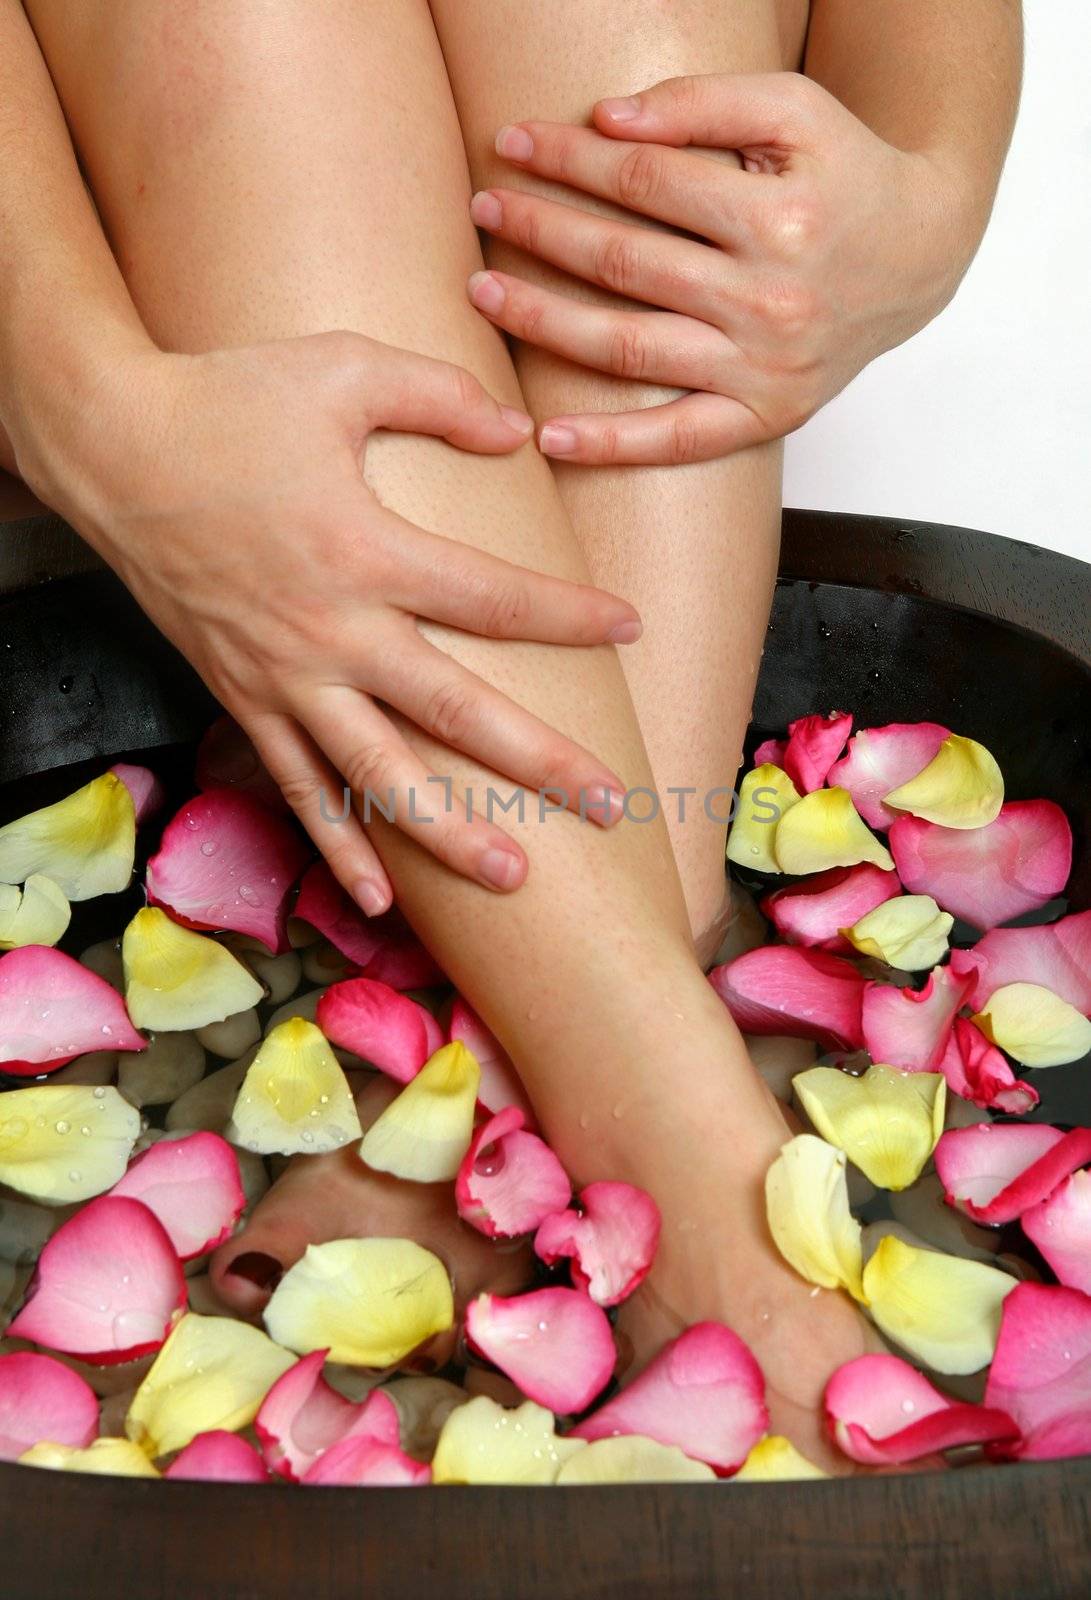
(698, 427)
(652, 346)
(637, 262)
(414, 394)
(686, 191)
(722, 110)
(450, 582)
(313, 790)
(461, 710)
(387, 779)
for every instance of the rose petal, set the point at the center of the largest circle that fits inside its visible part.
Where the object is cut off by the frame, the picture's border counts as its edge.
(384, 947)
(38, 913)
(943, 1310)
(995, 1173)
(424, 1133)
(1056, 956)
(826, 830)
(807, 1208)
(910, 932)
(765, 796)
(509, 1180)
(770, 752)
(218, 1457)
(611, 1240)
(481, 1442)
(374, 1021)
(85, 842)
(176, 979)
(880, 759)
(211, 1374)
(555, 1345)
(1041, 1373)
(911, 1028)
(886, 1122)
(961, 787)
(976, 1070)
(368, 1302)
(227, 861)
(703, 1392)
(814, 744)
(775, 1459)
(107, 1287)
(500, 1086)
(1035, 1026)
(193, 1186)
(65, 1142)
(987, 875)
(803, 993)
(43, 1399)
(303, 1415)
(882, 1412)
(295, 1097)
(111, 1457)
(813, 912)
(1061, 1228)
(362, 1462)
(148, 794)
(632, 1459)
(53, 1009)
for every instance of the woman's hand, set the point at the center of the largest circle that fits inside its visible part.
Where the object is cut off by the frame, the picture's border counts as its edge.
(828, 247)
(226, 489)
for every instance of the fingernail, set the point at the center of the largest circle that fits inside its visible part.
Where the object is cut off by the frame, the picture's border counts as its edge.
(626, 633)
(485, 210)
(606, 805)
(518, 421)
(486, 292)
(620, 110)
(515, 143)
(500, 868)
(372, 899)
(557, 441)
(257, 1268)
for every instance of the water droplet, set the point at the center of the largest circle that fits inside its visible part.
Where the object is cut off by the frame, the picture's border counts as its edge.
(249, 894)
(908, 1407)
(85, 1130)
(208, 848)
(542, 1326)
(308, 1138)
(65, 685)
(875, 675)
(618, 1112)
(191, 821)
(62, 1126)
(489, 1161)
(106, 1028)
(824, 631)
(1067, 1354)
(74, 1177)
(585, 1119)
(100, 1093)
(324, 1099)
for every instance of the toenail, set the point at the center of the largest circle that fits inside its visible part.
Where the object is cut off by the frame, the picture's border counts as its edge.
(261, 1270)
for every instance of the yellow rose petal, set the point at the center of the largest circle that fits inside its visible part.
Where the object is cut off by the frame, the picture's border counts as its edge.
(368, 1301)
(909, 932)
(110, 1457)
(961, 787)
(1035, 1025)
(65, 1142)
(633, 1459)
(177, 979)
(85, 843)
(482, 1442)
(213, 1372)
(765, 794)
(424, 1133)
(807, 1205)
(775, 1459)
(38, 913)
(295, 1097)
(825, 830)
(943, 1310)
(886, 1122)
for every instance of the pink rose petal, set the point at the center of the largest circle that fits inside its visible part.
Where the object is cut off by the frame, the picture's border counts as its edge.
(1041, 1373)
(384, 948)
(226, 759)
(1056, 955)
(227, 861)
(219, 1457)
(771, 752)
(805, 994)
(812, 912)
(555, 1345)
(509, 1180)
(373, 1020)
(977, 1071)
(302, 1416)
(814, 744)
(911, 1028)
(500, 1085)
(611, 1240)
(1061, 1228)
(193, 1187)
(363, 1462)
(53, 1009)
(148, 794)
(881, 1412)
(879, 760)
(704, 1393)
(995, 1172)
(107, 1285)
(43, 1399)
(987, 875)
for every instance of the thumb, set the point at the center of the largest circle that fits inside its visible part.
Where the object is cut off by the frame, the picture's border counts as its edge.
(725, 111)
(411, 393)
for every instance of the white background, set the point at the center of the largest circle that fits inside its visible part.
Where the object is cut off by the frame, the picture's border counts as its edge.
(984, 419)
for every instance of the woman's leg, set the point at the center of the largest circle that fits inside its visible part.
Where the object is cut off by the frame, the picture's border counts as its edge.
(263, 171)
(694, 548)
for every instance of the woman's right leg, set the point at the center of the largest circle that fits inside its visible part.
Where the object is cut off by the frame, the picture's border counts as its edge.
(266, 171)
